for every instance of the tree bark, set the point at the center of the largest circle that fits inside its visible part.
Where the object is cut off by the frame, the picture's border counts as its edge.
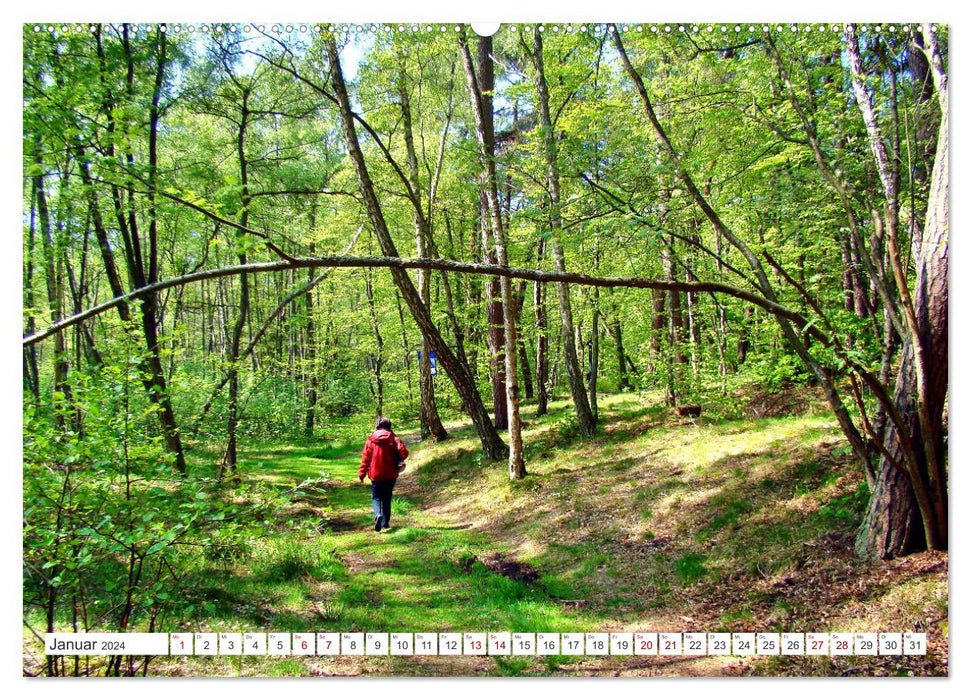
(310, 361)
(588, 423)
(594, 365)
(908, 509)
(623, 379)
(377, 357)
(525, 371)
(492, 445)
(542, 340)
(891, 524)
(494, 316)
(230, 460)
(480, 91)
(429, 420)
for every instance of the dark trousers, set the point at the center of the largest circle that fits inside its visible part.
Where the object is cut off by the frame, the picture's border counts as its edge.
(381, 500)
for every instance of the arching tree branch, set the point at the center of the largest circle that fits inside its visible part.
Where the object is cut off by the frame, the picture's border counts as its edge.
(434, 264)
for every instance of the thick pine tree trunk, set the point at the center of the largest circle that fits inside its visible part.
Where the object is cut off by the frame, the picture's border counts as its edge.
(892, 524)
(908, 514)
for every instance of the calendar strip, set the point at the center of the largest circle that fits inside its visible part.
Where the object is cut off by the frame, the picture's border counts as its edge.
(488, 644)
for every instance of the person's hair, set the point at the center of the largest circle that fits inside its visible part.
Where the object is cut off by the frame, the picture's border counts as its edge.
(383, 423)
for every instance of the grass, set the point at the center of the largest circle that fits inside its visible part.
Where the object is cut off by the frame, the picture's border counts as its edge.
(723, 524)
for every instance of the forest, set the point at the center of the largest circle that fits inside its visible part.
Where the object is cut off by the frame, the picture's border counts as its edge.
(660, 312)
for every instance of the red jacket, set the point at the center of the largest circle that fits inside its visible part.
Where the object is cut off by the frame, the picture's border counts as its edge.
(377, 459)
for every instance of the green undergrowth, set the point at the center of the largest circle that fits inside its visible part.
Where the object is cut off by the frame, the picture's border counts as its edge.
(654, 505)
(654, 521)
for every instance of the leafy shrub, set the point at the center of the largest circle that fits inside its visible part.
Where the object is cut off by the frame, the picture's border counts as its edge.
(108, 520)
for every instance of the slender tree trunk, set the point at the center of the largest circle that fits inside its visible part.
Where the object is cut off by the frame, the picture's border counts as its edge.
(623, 379)
(694, 325)
(457, 330)
(744, 336)
(310, 361)
(722, 321)
(594, 354)
(377, 357)
(54, 278)
(31, 375)
(150, 308)
(480, 91)
(494, 298)
(231, 457)
(673, 356)
(430, 422)
(657, 327)
(492, 445)
(542, 340)
(139, 273)
(494, 321)
(675, 316)
(520, 297)
(588, 424)
(405, 347)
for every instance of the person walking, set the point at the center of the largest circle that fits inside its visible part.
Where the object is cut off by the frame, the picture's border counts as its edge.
(382, 459)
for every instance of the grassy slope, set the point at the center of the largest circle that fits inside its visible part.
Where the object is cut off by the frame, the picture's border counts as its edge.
(657, 524)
